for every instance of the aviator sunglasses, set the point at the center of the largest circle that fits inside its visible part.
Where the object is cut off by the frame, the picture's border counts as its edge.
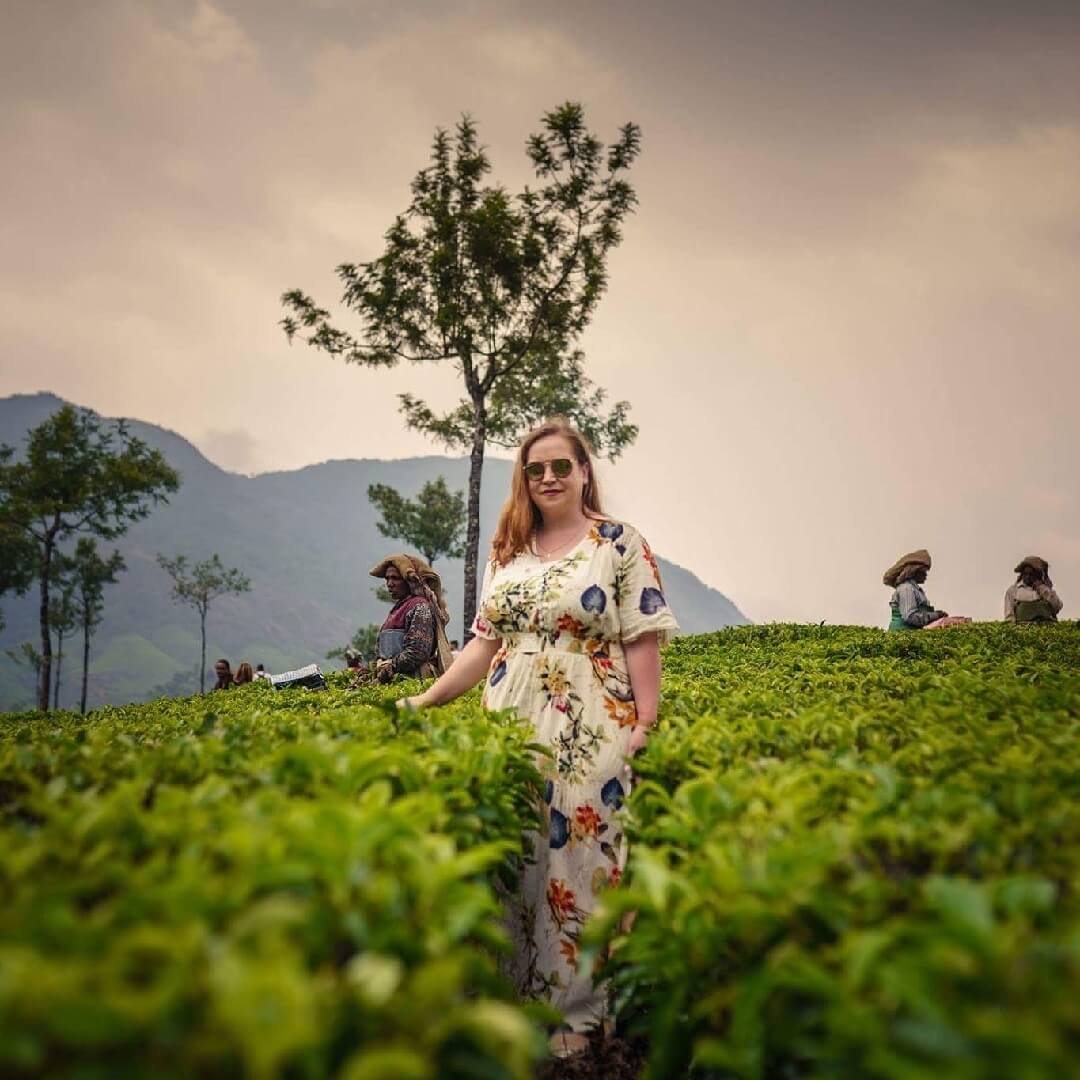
(561, 468)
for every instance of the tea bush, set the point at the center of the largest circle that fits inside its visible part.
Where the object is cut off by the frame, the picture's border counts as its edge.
(260, 883)
(853, 854)
(857, 854)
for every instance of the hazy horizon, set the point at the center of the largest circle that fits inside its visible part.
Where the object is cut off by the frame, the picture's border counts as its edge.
(844, 312)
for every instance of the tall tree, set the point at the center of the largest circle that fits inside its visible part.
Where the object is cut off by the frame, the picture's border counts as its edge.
(432, 523)
(62, 617)
(90, 574)
(198, 586)
(79, 475)
(498, 285)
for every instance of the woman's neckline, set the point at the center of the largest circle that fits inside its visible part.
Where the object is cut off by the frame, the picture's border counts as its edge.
(534, 551)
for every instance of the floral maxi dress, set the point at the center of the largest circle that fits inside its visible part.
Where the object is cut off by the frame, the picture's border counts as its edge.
(561, 665)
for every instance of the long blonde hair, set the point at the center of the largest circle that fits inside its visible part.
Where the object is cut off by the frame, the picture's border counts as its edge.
(520, 516)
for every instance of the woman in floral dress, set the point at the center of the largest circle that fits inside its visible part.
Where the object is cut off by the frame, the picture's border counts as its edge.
(568, 633)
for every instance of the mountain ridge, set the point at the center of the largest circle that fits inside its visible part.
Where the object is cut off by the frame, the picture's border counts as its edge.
(305, 537)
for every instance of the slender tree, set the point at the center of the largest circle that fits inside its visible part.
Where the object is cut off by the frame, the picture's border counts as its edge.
(62, 617)
(433, 522)
(198, 586)
(79, 475)
(91, 573)
(498, 285)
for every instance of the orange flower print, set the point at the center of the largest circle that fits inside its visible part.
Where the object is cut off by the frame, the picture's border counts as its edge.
(624, 713)
(597, 650)
(615, 877)
(568, 947)
(586, 820)
(561, 901)
(646, 551)
(567, 624)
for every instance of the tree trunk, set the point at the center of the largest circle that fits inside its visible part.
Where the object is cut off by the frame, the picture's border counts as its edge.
(85, 666)
(59, 665)
(472, 534)
(202, 662)
(45, 663)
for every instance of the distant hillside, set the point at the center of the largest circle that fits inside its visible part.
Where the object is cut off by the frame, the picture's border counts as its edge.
(306, 539)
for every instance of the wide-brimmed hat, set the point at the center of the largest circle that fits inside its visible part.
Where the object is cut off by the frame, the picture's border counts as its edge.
(1034, 562)
(912, 558)
(406, 565)
(416, 572)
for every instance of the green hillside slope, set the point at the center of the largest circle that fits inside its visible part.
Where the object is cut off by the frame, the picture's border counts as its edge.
(305, 538)
(853, 853)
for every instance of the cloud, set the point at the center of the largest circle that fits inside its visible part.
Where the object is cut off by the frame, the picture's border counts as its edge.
(844, 312)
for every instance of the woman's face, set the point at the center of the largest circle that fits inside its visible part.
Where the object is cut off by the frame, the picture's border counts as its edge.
(396, 585)
(555, 494)
(920, 576)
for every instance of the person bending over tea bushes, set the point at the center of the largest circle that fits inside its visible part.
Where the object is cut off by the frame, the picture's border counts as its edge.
(1032, 598)
(911, 610)
(568, 632)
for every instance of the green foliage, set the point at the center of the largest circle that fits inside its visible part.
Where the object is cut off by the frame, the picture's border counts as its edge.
(198, 586)
(853, 854)
(502, 286)
(857, 855)
(286, 883)
(77, 476)
(432, 523)
(18, 553)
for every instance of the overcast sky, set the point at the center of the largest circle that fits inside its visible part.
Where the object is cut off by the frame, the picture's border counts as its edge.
(846, 312)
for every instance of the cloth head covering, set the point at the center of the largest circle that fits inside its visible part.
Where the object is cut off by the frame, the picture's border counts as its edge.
(425, 582)
(1034, 562)
(905, 567)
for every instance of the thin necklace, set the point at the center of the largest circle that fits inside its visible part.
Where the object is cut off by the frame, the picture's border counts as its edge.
(547, 553)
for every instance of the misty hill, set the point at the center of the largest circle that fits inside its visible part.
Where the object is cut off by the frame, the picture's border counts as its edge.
(306, 539)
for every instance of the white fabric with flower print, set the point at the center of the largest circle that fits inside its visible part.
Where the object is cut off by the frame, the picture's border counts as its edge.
(561, 666)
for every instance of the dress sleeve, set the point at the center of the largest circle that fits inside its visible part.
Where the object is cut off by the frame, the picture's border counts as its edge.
(481, 628)
(642, 606)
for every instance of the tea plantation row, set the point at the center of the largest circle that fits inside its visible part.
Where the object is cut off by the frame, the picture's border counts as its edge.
(854, 854)
(291, 884)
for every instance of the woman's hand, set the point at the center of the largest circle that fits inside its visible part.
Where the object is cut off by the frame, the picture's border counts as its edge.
(638, 735)
(462, 675)
(643, 667)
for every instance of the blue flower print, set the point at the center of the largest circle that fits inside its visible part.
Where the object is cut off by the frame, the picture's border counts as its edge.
(610, 530)
(498, 673)
(594, 599)
(612, 793)
(652, 600)
(560, 829)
